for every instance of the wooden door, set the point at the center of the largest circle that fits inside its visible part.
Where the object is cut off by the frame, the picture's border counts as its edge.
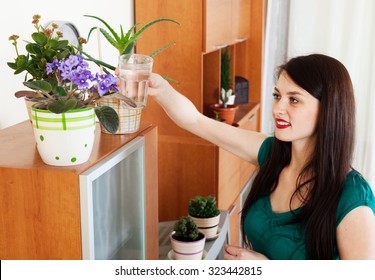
(217, 24)
(241, 11)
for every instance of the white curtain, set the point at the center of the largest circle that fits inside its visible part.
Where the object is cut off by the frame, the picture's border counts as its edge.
(344, 29)
(275, 50)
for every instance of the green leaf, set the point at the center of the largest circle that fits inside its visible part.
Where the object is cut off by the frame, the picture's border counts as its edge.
(21, 63)
(21, 60)
(114, 34)
(129, 48)
(52, 43)
(62, 106)
(49, 55)
(171, 80)
(139, 32)
(98, 62)
(39, 85)
(162, 48)
(108, 118)
(12, 65)
(63, 54)
(125, 44)
(91, 30)
(62, 44)
(20, 70)
(127, 36)
(113, 42)
(40, 38)
(60, 91)
(33, 48)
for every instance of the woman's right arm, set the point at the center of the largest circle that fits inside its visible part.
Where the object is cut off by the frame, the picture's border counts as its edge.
(241, 142)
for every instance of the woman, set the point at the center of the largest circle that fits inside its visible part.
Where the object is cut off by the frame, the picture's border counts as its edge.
(306, 201)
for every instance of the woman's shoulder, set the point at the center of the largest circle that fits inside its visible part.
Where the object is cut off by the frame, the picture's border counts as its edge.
(265, 149)
(356, 192)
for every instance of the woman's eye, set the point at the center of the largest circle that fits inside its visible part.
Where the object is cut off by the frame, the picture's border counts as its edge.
(293, 100)
(275, 96)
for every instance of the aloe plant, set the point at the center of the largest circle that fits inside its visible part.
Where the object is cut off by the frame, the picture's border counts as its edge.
(123, 43)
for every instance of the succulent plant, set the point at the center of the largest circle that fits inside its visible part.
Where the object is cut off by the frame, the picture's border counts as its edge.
(226, 79)
(186, 229)
(203, 207)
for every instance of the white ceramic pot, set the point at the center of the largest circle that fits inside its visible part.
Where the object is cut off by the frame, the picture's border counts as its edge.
(184, 250)
(64, 139)
(208, 226)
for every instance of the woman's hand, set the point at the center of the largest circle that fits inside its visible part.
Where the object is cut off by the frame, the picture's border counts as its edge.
(238, 253)
(157, 85)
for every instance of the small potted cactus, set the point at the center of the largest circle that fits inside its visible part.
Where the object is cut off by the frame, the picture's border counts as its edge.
(226, 107)
(186, 240)
(205, 214)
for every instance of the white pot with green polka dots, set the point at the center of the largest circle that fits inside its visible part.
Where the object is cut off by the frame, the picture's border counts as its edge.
(64, 139)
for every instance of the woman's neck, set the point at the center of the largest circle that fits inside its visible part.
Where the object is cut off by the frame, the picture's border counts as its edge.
(302, 151)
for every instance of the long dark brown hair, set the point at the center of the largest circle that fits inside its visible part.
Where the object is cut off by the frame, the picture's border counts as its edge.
(326, 79)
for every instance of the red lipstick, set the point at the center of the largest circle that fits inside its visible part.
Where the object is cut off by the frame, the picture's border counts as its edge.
(280, 123)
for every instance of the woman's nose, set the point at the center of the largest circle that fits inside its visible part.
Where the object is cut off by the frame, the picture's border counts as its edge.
(279, 107)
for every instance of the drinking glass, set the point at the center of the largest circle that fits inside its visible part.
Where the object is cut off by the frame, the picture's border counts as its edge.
(135, 70)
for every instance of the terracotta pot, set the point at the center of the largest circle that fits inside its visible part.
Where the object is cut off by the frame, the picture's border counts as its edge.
(226, 114)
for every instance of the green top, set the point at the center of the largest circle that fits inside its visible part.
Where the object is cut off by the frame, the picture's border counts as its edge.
(273, 234)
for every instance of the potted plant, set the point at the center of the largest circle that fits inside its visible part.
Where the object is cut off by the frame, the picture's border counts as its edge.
(205, 214)
(226, 107)
(46, 45)
(129, 112)
(65, 94)
(186, 240)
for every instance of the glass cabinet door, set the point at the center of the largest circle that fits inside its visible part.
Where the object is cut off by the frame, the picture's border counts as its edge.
(112, 206)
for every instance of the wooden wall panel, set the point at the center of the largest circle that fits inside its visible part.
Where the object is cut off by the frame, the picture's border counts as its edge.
(40, 215)
(182, 61)
(194, 174)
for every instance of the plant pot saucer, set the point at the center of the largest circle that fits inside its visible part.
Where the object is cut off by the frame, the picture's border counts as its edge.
(171, 255)
(213, 237)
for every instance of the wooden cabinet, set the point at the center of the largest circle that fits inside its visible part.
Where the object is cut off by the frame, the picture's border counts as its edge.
(241, 20)
(225, 22)
(188, 165)
(217, 16)
(40, 205)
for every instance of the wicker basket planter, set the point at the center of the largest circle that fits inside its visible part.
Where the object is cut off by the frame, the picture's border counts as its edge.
(130, 118)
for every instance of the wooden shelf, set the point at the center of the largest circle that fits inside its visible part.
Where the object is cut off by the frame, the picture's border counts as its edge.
(20, 138)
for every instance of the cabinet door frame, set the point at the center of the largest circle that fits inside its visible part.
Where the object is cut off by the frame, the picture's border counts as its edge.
(86, 180)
